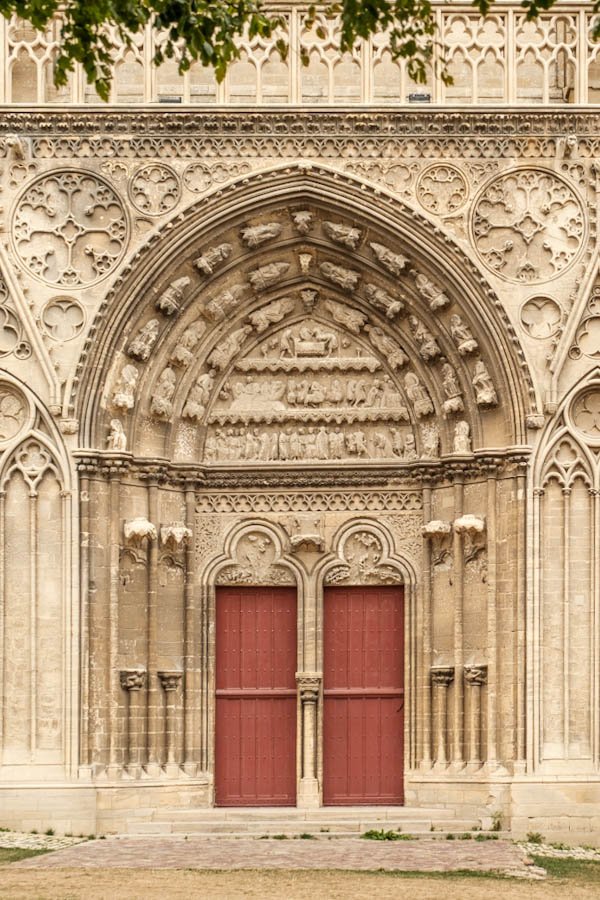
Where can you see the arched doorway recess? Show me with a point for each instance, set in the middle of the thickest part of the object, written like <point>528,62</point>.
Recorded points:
<point>298,349</point>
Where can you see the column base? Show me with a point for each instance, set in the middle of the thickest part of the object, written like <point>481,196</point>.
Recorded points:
<point>152,770</point>
<point>134,770</point>
<point>457,767</point>
<point>308,794</point>
<point>113,771</point>
<point>472,766</point>
<point>426,765</point>
<point>190,768</point>
<point>172,770</point>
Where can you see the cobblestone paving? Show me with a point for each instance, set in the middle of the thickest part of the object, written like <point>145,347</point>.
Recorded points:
<point>24,840</point>
<point>178,853</point>
<point>562,852</point>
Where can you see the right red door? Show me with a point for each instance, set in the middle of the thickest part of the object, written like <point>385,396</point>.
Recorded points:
<point>363,684</point>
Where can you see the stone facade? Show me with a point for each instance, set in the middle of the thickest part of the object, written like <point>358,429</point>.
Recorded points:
<point>344,346</point>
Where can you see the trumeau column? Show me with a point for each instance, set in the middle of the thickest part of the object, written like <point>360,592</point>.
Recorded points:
<point>457,757</point>
<point>133,681</point>
<point>441,679</point>
<point>309,686</point>
<point>475,678</point>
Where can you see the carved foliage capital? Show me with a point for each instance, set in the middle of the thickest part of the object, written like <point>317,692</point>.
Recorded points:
<point>170,680</point>
<point>132,679</point>
<point>442,676</point>
<point>309,686</point>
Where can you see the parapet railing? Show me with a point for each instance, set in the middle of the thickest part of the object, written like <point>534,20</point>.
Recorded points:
<point>499,60</point>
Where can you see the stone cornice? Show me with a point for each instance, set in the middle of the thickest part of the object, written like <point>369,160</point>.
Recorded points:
<point>364,122</point>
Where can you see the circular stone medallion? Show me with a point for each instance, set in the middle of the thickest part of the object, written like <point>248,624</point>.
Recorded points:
<point>155,189</point>
<point>541,317</point>
<point>442,190</point>
<point>69,228</point>
<point>528,226</point>
<point>14,412</point>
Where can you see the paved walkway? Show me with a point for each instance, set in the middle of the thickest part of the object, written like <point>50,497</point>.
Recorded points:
<point>342,853</point>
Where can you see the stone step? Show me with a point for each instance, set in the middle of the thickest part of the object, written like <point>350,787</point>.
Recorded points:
<point>200,832</point>
<point>291,814</point>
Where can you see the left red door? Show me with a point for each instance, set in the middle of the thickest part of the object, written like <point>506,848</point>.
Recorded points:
<point>255,727</point>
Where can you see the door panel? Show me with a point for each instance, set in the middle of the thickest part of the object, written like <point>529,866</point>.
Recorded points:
<point>363,678</point>
<point>255,720</point>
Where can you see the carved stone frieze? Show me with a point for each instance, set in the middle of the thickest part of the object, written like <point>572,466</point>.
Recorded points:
<point>299,501</point>
<point>274,312</point>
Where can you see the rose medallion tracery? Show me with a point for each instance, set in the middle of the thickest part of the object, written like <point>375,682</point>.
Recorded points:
<point>585,413</point>
<point>442,189</point>
<point>70,228</point>
<point>14,412</point>
<point>528,226</point>
<point>155,189</point>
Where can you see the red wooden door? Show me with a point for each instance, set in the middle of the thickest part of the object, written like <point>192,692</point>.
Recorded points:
<point>363,720</point>
<point>255,728</point>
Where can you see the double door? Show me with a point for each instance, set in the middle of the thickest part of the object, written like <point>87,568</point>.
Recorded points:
<point>256,698</point>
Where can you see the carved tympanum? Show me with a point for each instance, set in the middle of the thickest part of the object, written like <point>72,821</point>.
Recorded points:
<point>361,563</point>
<point>255,563</point>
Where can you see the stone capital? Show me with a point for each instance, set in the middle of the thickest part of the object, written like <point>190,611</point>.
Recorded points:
<point>132,679</point>
<point>169,680</point>
<point>475,674</point>
<point>309,685</point>
<point>442,676</point>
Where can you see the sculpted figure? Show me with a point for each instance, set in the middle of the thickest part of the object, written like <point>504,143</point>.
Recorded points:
<point>343,315</point>
<point>343,234</point>
<point>117,439</point>
<point>162,397</point>
<point>464,340</point>
<point>462,437</point>
<point>124,395</point>
<point>410,447</point>
<point>418,395</point>
<point>396,357</point>
<point>286,344</point>
<point>302,219</point>
<point>335,393</point>
<point>430,291</point>
<point>484,386</point>
<point>397,442</point>
<point>347,279</point>
<point>360,443</point>
<point>199,396</point>
<point>267,275</point>
<point>228,300</point>
<point>142,344</point>
<point>384,301</point>
<point>453,402</point>
<point>224,352</point>
<point>209,261</point>
<point>255,235</point>
<point>170,299</point>
<point>210,447</point>
<point>182,355</point>
<point>393,262</point>
<point>430,436</point>
<point>322,444</point>
<point>272,313</point>
<point>382,446</point>
<point>428,347</point>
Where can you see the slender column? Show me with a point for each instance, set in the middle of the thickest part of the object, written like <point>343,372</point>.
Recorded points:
<point>152,766</point>
<point>84,506</point>
<point>520,614</point>
<point>113,621</point>
<point>566,616</point>
<point>190,693</point>
<point>475,678</point>
<point>33,601</point>
<point>492,625</point>
<point>595,622</point>
<point>458,711</point>
<point>441,679</point>
<point>170,682</point>
<point>309,686</point>
<point>426,623</point>
<point>99,677</point>
<point>534,649</point>
<point>132,681</point>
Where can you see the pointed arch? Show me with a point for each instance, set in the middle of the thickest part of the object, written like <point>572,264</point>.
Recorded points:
<point>367,253</point>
